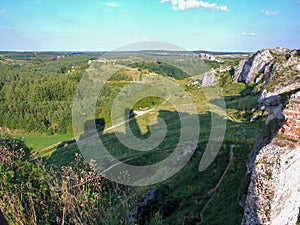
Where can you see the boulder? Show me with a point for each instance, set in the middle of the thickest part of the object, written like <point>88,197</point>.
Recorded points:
<point>288,55</point>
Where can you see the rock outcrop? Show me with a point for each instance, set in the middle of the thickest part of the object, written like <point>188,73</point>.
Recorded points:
<point>274,191</point>
<point>273,105</point>
<point>133,215</point>
<point>278,69</point>
<point>207,56</point>
<point>248,69</point>
<point>209,79</point>
<point>290,130</point>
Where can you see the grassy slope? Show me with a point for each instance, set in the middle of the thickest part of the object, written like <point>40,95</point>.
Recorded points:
<point>188,188</point>
<point>37,143</point>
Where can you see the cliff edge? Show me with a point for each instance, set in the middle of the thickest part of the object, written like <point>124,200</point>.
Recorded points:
<point>274,190</point>
<point>277,70</point>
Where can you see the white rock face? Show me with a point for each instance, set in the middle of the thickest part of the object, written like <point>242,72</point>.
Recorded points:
<point>247,70</point>
<point>207,56</point>
<point>209,79</point>
<point>296,95</point>
<point>274,191</point>
<point>273,105</point>
<point>278,69</point>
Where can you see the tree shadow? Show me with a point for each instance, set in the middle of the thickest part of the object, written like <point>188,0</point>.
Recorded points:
<point>199,183</point>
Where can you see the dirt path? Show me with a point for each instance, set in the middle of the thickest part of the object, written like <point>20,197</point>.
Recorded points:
<point>138,114</point>
<point>213,191</point>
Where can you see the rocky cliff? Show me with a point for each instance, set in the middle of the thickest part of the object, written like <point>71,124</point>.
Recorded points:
<point>273,194</point>
<point>290,130</point>
<point>248,69</point>
<point>277,69</point>
<point>209,78</point>
<point>274,191</point>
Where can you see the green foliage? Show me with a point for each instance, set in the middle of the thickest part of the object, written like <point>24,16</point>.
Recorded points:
<point>225,78</point>
<point>212,64</point>
<point>120,76</point>
<point>32,194</point>
<point>162,69</point>
<point>147,103</point>
<point>37,89</point>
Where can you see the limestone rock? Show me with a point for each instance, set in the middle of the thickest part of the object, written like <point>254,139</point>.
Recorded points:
<point>209,79</point>
<point>207,56</point>
<point>278,69</point>
<point>273,105</point>
<point>255,64</point>
<point>274,191</point>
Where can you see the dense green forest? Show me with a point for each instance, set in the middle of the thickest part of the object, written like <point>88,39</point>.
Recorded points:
<point>36,90</point>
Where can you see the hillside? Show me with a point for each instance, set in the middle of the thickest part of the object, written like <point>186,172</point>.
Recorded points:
<point>69,191</point>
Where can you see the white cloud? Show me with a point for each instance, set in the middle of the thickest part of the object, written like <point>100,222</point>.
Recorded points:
<point>248,34</point>
<point>23,36</point>
<point>269,12</point>
<point>145,38</point>
<point>2,11</point>
<point>191,4</point>
<point>111,4</point>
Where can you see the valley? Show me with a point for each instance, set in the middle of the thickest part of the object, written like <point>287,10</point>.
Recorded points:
<point>48,102</point>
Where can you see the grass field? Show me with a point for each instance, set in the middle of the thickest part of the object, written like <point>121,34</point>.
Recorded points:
<point>37,143</point>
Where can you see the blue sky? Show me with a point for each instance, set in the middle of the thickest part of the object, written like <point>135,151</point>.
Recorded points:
<point>91,25</point>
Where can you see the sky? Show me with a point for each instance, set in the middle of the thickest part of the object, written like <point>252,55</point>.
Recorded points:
<point>104,25</point>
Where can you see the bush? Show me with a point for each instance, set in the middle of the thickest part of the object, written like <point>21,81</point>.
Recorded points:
<point>32,194</point>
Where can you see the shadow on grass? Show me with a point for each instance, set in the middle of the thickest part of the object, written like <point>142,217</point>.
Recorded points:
<point>187,191</point>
